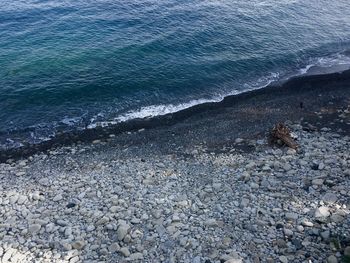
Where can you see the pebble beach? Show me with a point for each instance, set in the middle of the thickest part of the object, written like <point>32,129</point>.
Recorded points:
<point>275,205</point>
<point>175,131</point>
<point>134,197</point>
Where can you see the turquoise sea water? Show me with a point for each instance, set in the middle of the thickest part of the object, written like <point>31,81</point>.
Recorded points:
<point>67,65</point>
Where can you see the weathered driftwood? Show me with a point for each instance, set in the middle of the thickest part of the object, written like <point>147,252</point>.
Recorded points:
<point>281,133</point>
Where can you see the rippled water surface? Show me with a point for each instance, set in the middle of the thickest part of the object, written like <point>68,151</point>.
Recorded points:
<point>69,65</point>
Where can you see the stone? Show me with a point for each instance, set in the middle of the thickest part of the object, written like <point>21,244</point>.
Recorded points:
<point>239,140</point>
<point>217,186</point>
<point>103,251</point>
<point>347,172</point>
<point>34,228</point>
<point>102,221</point>
<point>347,251</point>
<point>122,231</point>
<point>7,255</point>
<point>61,222</point>
<point>297,243</point>
<point>332,259</point>
<point>36,195</point>
<point>68,231</point>
<point>20,173</point>
<point>283,259</point>
<point>211,222</point>
<point>307,223</point>
<point>291,151</point>
<point>288,232</point>
<point>125,251</point>
<point>281,243</point>
<point>21,199</point>
<point>337,218</point>
<point>74,259</point>
<point>113,209</point>
<point>330,198</point>
<point>57,198</point>
<point>70,205</point>
<point>300,228</point>
<point>90,228</point>
<point>23,163</point>
<point>44,182</point>
<point>315,231</point>
<point>114,199</point>
<point>317,182</point>
<point>279,225</point>
<point>244,202</point>
<point>78,244</point>
<point>322,212</point>
<point>14,198</point>
<point>287,167</point>
<point>176,218</point>
<point>136,256</point>
<point>114,247</point>
<point>50,227</point>
<point>321,166</point>
<point>254,185</point>
<point>291,216</point>
<point>325,234</point>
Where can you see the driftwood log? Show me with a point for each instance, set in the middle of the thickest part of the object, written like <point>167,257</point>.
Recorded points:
<point>281,133</point>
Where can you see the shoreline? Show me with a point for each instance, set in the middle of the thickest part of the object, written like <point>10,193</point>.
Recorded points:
<point>176,194</point>
<point>205,186</point>
<point>293,88</point>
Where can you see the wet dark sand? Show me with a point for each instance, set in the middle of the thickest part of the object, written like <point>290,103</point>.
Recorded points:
<point>216,126</point>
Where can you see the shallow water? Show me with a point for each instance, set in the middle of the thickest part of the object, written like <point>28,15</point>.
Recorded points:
<point>68,65</point>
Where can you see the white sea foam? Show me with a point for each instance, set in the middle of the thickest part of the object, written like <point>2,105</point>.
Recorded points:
<point>304,70</point>
<point>339,59</point>
<point>70,121</point>
<point>152,111</point>
<point>327,62</point>
<point>163,109</point>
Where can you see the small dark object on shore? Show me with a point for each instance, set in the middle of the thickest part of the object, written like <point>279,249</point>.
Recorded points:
<point>301,105</point>
<point>281,133</point>
<point>71,205</point>
<point>314,166</point>
<point>279,226</point>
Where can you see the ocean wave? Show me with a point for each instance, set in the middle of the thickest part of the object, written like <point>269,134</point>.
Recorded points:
<point>336,60</point>
<point>339,59</point>
<point>152,111</point>
<point>45,132</point>
<point>164,109</point>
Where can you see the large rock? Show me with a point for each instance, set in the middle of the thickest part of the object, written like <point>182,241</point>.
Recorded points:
<point>34,228</point>
<point>291,216</point>
<point>44,181</point>
<point>317,182</point>
<point>114,247</point>
<point>78,244</point>
<point>347,251</point>
<point>283,259</point>
<point>125,251</point>
<point>322,212</point>
<point>122,231</point>
<point>330,198</point>
<point>57,198</point>
<point>332,259</point>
